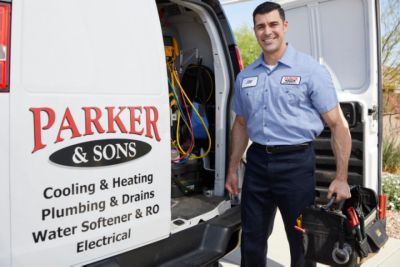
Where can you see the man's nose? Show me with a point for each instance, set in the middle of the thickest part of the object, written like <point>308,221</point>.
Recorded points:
<point>268,30</point>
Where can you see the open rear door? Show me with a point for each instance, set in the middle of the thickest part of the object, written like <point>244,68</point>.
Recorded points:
<point>89,131</point>
<point>343,35</point>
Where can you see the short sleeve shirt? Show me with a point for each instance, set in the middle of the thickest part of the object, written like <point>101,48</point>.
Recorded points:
<point>283,106</point>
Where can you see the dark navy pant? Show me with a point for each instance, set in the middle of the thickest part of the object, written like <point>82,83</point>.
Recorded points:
<point>285,181</point>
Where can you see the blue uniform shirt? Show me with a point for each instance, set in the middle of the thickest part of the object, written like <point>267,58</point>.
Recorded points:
<point>282,106</point>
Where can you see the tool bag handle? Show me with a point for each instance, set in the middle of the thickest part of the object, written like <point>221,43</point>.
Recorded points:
<point>329,205</point>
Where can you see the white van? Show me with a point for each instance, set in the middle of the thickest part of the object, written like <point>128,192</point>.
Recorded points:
<point>344,36</point>
<point>104,161</point>
<point>86,169</point>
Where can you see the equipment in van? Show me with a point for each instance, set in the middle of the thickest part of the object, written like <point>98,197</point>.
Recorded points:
<point>198,80</point>
<point>344,235</point>
<point>189,98</point>
<point>171,47</point>
<point>198,129</point>
<point>184,135</point>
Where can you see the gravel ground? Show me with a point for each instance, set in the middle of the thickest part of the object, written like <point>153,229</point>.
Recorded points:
<point>393,224</point>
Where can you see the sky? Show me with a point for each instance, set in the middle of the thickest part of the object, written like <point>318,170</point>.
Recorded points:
<point>242,13</point>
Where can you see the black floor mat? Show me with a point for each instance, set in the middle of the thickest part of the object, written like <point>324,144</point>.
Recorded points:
<point>191,206</point>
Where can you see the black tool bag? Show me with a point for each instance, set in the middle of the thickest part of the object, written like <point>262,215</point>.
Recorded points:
<point>330,239</point>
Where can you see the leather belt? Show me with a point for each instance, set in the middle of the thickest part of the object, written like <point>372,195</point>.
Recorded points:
<point>282,148</point>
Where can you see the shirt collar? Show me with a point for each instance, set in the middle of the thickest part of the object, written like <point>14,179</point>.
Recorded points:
<point>287,59</point>
<point>259,61</point>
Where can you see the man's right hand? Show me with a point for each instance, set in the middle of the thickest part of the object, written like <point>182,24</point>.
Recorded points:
<point>239,141</point>
<point>232,183</point>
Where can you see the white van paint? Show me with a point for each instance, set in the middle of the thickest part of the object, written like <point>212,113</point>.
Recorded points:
<point>72,61</point>
<point>85,57</point>
<point>85,142</point>
<point>343,36</point>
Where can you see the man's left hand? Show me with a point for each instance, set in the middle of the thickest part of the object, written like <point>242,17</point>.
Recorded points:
<point>341,188</point>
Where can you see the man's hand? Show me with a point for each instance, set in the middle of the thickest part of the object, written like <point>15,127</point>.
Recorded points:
<point>232,183</point>
<point>341,188</point>
<point>341,146</point>
<point>239,142</point>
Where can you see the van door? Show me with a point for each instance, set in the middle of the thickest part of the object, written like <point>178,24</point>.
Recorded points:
<point>343,36</point>
<point>89,131</point>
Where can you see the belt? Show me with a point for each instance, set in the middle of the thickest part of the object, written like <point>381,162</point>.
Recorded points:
<point>282,148</point>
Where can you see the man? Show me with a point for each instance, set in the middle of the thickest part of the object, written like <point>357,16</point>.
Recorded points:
<point>279,101</point>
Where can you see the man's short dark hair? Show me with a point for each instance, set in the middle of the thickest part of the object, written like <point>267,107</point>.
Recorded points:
<point>267,7</point>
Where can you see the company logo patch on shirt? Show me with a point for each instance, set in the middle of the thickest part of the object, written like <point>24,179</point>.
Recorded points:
<point>249,82</point>
<point>291,80</point>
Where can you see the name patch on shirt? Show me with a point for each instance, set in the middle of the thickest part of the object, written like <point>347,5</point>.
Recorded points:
<point>249,82</point>
<point>291,80</point>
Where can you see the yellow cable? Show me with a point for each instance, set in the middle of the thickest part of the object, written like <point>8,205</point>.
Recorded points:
<point>181,150</point>
<point>178,123</point>
<point>185,153</point>
<point>198,115</point>
<point>173,88</point>
<point>177,135</point>
<point>173,72</point>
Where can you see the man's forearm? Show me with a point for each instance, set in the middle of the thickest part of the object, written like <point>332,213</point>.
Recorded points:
<point>341,145</point>
<point>239,141</point>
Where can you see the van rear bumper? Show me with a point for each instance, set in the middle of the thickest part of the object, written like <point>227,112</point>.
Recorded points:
<point>199,245</point>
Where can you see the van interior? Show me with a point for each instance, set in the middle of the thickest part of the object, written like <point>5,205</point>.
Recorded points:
<point>196,80</point>
<point>198,100</point>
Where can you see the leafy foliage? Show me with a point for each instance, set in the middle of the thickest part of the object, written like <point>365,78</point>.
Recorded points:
<point>391,187</point>
<point>247,43</point>
<point>391,154</point>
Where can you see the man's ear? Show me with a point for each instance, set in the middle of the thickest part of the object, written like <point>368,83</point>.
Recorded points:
<point>285,26</point>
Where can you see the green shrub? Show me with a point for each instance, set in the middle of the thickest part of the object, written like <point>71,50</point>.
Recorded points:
<point>391,187</point>
<point>391,154</point>
<point>247,43</point>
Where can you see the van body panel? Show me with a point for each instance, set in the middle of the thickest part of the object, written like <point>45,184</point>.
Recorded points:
<point>5,240</point>
<point>87,142</point>
<point>88,127</point>
<point>86,151</point>
<point>88,136</point>
<point>81,50</point>
<point>348,48</point>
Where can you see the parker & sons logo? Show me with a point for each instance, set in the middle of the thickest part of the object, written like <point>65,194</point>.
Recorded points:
<point>132,120</point>
<point>100,153</point>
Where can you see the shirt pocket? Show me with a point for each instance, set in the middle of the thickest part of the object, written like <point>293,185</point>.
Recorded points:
<point>252,99</point>
<point>290,98</point>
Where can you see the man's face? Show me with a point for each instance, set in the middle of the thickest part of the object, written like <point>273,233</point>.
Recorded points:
<point>270,31</point>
